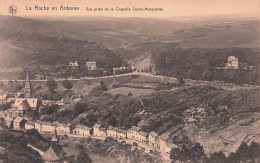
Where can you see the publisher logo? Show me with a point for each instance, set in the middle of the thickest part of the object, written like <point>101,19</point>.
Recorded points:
<point>13,9</point>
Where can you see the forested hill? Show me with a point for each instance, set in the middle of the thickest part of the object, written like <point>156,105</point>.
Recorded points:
<point>39,43</point>
<point>203,63</point>
<point>20,49</point>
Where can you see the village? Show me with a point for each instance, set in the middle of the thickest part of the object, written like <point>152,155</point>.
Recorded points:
<point>16,119</point>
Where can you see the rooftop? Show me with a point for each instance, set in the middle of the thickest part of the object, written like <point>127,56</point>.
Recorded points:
<point>153,134</point>
<point>142,133</point>
<point>164,137</point>
<point>134,128</point>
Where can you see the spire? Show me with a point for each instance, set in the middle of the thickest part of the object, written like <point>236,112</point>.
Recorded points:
<point>27,89</point>
<point>54,138</point>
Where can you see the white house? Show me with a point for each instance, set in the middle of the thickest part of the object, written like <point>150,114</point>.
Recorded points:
<point>73,64</point>
<point>91,65</point>
<point>163,142</point>
<point>23,107</point>
<point>3,98</point>
<point>29,125</point>
<point>47,127</point>
<point>82,130</point>
<point>142,136</point>
<point>65,128</point>
<point>232,62</point>
<point>33,102</point>
<point>110,132</point>
<point>19,123</point>
<point>152,138</point>
<point>121,134</point>
<point>38,125</point>
<point>103,132</point>
<point>132,133</point>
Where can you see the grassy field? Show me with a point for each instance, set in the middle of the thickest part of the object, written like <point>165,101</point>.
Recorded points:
<point>135,91</point>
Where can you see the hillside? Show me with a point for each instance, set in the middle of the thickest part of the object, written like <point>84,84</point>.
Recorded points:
<point>112,32</point>
<point>215,112</point>
<point>13,146</point>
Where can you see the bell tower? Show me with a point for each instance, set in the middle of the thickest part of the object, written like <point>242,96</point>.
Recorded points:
<point>27,89</point>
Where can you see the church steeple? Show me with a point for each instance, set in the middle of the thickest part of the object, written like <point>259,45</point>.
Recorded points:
<point>27,89</point>
<point>54,139</point>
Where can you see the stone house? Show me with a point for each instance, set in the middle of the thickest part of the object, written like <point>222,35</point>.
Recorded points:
<point>29,125</point>
<point>19,123</point>
<point>73,64</point>
<point>121,134</point>
<point>33,102</point>
<point>163,142</point>
<point>91,65</point>
<point>152,138</point>
<point>232,62</point>
<point>82,130</point>
<point>142,136</point>
<point>38,125</point>
<point>103,132</point>
<point>110,131</point>
<point>22,108</point>
<point>170,146</point>
<point>47,127</point>
<point>3,98</point>
<point>132,133</point>
<point>96,130</point>
<point>67,129</point>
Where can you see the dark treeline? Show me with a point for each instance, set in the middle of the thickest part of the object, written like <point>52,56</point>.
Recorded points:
<point>195,153</point>
<point>201,64</point>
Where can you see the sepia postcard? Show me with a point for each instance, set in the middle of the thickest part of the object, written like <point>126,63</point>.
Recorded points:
<point>129,81</point>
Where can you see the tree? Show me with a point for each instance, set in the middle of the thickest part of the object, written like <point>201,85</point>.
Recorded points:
<point>218,157</point>
<point>67,84</point>
<point>188,153</point>
<point>51,84</point>
<point>83,157</point>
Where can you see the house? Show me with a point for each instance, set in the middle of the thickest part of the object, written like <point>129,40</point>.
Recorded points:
<point>33,102</point>
<point>232,62</point>
<point>110,131</point>
<point>66,100</point>
<point>152,138</point>
<point>170,146</point>
<point>47,127</point>
<point>38,125</point>
<point>57,125</point>
<point>82,130</point>
<point>163,142</point>
<point>103,132</point>
<point>29,125</point>
<point>23,107</point>
<point>3,98</point>
<point>96,130</point>
<point>142,136</point>
<point>132,133</point>
<point>19,123</point>
<point>121,134</point>
<point>65,128</point>
<point>9,121</point>
<point>91,65</point>
<point>73,64</point>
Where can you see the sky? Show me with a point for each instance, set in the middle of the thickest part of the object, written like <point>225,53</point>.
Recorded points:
<point>171,8</point>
